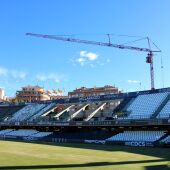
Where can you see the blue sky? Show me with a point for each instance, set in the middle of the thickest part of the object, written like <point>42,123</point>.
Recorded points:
<point>54,64</point>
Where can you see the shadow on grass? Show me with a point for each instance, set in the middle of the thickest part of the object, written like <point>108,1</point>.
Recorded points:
<point>163,153</point>
<point>92,164</point>
<point>157,167</point>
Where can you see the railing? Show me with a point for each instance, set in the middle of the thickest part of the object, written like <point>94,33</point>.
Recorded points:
<point>115,122</point>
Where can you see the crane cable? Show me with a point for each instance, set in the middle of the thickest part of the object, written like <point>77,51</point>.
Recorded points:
<point>162,71</point>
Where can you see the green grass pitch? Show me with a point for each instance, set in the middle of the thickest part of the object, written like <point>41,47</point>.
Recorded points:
<point>33,156</point>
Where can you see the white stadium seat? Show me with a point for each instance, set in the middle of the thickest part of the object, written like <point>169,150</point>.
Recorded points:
<point>146,136</point>
<point>22,132</point>
<point>145,105</point>
<point>6,131</point>
<point>45,109</point>
<point>27,112</point>
<point>165,112</point>
<point>166,140</point>
<point>41,134</point>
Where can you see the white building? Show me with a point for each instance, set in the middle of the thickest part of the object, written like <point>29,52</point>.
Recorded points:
<point>2,94</point>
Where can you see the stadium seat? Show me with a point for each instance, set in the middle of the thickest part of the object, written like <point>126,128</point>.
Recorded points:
<point>165,112</point>
<point>146,136</point>
<point>27,112</point>
<point>22,133</point>
<point>166,140</point>
<point>6,131</point>
<point>40,134</point>
<point>145,105</point>
<point>45,109</point>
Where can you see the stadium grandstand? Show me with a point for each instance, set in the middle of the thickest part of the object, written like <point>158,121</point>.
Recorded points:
<point>139,118</point>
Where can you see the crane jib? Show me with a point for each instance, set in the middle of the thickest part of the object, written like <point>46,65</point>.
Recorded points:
<point>149,58</point>
<point>91,42</point>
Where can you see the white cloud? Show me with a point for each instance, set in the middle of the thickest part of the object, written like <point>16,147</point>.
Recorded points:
<point>51,76</point>
<point>133,81</point>
<point>92,56</point>
<point>89,58</point>
<point>83,53</point>
<point>16,74</point>
<point>89,55</point>
<point>86,58</point>
<point>81,61</point>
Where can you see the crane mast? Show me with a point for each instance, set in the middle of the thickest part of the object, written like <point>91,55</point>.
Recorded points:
<point>150,61</point>
<point>149,58</point>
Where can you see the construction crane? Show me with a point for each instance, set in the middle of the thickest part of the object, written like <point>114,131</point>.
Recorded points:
<point>149,58</point>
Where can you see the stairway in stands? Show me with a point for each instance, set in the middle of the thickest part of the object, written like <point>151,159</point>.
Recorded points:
<point>163,137</point>
<point>161,106</point>
<point>7,111</point>
<point>101,107</point>
<point>44,110</point>
<point>123,105</point>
